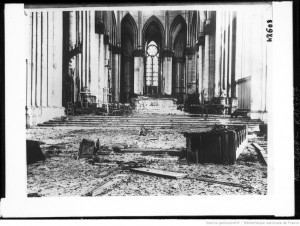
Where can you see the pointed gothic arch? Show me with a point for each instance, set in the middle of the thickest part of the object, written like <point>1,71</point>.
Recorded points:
<point>177,25</point>
<point>154,21</point>
<point>133,30</point>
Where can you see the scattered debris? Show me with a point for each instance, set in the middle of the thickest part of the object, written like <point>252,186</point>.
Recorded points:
<point>34,152</point>
<point>64,118</point>
<point>97,144</point>
<point>63,175</point>
<point>33,195</point>
<point>86,149</point>
<point>160,173</point>
<point>222,128</point>
<point>143,131</point>
<point>118,147</point>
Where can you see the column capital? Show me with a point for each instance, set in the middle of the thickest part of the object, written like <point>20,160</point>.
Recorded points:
<point>201,40</point>
<point>99,26</point>
<point>190,50</point>
<point>178,59</point>
<point>138,53</point>
<point>167,53</point>
<point>127,58</point>
<point>115,49</point>
<point>208,28</point>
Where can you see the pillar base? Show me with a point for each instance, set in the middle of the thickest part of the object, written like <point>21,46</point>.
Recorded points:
<point>36,115</point>
<point>262,115</point>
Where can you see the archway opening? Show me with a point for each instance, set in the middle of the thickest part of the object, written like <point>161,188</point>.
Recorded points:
<point>128,38</point>
<point>178,35</point>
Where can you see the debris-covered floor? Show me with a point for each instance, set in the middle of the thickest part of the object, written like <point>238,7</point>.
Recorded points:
<point>62,174</point>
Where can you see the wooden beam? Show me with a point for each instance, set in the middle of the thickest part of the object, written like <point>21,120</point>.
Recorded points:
<point>219,182</point>
<point>106,186</point>
<point>259,151</point>
<point>160,173</point>
<point>150,151</point>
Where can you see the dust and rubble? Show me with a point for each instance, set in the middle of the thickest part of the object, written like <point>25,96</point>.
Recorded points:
<point>98,162</point>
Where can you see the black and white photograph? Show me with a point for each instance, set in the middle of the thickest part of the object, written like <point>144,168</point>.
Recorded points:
<point>162,102</point>
<point>148,101</point>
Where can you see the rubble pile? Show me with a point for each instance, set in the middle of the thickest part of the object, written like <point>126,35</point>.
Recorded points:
<point>103,166</point>
<point>222,128</point>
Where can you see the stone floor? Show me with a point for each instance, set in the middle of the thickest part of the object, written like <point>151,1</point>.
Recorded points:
<point>62,174</point>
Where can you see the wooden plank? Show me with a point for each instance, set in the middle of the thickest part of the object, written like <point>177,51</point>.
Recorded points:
<point>259,151</point>
<point>106,186</point>
<point>101,175</point>
<point>219,182</point>
<point>160,173</point>
<point>150,151</point>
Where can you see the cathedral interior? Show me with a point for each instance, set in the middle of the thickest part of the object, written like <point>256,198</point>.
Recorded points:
<point>114,95</point>
<point>107,57</point>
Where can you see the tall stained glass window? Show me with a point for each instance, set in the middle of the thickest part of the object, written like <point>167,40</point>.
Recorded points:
<point>152,64</point>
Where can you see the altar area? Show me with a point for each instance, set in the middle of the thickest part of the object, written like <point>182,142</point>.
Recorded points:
<point>155,104</point>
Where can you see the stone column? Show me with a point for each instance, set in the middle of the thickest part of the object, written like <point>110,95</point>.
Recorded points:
<point>138,71</point>
<point>50,57</point>
<point>139,33</point>
<point>29,59</point>
<point>226,52</point>
<point>84,42</point>
<point>99,29</point>
<point>88,49</point>
<point>201,47</point>
<point>230,27</point>
<point>72,61</point>
<point>101,78</point>
<point>206,65</point>
<point>94,56</point>
<point>106,68</point>
<point>57,59</point>
<point>116,68</point>
<point>38,61</point>
<point>167,72</point>
<point>211,30</point>
<point>167,28</point>
<point>178,63</point>
<point>239,44</point>
<point>191,69</point>
<point>78,57</point>
<point>127,76</point>
<point>44,72</point>
<point>200,69</point>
